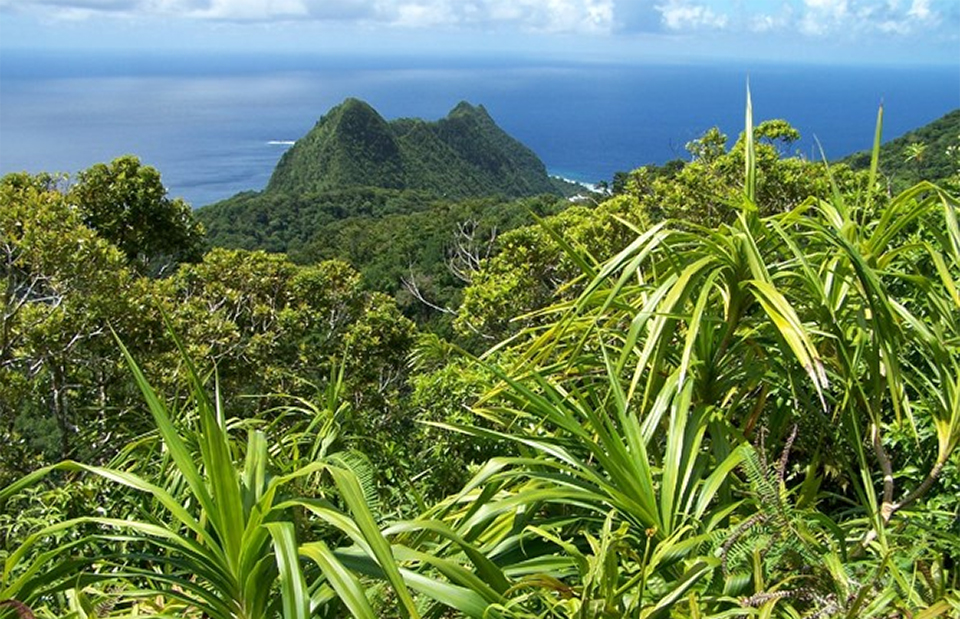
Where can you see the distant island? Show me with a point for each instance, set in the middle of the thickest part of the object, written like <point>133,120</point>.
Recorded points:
<point>355,173</point>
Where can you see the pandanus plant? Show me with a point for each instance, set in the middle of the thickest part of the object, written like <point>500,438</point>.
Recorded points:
<point>222,542</point>
<point>640,412</point>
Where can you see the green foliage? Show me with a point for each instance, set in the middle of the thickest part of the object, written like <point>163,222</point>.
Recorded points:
<point>222,543</point>
<point>62,285</point>
<point>634,405</point>
<point>283,223</point>
<point>531,267</point>
<point>349,146</point>
<point>422,252</point>
<point>391,199</point>
<point>729,390</point>
<point>73,256</point>
<point>265,324</point>
<point>446,383</point>
<point>462,155</point>
<point>126,204</point>
<point>274,330</point>
<point>777,131</point>
<point>707,190</point>
<point>929,153</point>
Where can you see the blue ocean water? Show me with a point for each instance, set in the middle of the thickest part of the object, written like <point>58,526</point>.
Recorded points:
<point>216,125</point>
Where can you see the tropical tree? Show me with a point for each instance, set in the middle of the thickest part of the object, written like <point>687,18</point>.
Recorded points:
<point>531,267</point>
<point>62,286</point>
<point>126,203</point>
<point>270,326</point>
<point>73,256</point>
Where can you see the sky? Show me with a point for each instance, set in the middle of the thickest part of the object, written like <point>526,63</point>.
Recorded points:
<point>874,32</point>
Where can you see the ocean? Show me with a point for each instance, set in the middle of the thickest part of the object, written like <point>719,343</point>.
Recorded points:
<point>215,125</point>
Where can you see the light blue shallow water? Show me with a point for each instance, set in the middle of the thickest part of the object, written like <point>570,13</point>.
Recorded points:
<point>212,124</point>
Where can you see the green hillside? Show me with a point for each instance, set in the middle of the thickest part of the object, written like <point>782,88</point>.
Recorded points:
<point>930,153</point>
<point>390,197</point>
<point>463,155</point>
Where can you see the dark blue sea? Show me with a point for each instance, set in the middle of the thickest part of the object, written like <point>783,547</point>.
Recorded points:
<point>215,125</point>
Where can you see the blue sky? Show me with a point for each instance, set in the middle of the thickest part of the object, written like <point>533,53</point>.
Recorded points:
<point>839,31</point>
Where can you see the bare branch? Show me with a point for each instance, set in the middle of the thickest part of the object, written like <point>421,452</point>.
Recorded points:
<point>888,508</point>
<point>920,490</point>
<point>467,252</point>
<point>410,285</point>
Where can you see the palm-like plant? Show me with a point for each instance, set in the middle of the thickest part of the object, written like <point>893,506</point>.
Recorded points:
<point>634,408</point>
<point>222,543</point>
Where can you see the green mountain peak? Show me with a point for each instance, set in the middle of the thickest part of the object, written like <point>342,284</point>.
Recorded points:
<point>349,144</point>
<point>464,108</point>
<point>462,155</point>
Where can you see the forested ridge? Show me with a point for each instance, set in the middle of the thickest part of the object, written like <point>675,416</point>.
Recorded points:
<point>354,163</point>
<point>398,200</point>
<point>464,154</point>
<point>926,153</point>
<point>729,386</point>
<point>402,240</point>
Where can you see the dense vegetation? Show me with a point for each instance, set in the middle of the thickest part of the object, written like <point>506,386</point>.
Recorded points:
<point>730,389</point>
<point>418,249</point>
<point>926,153</point>
<point>465,154</point>
<point>388,197</point>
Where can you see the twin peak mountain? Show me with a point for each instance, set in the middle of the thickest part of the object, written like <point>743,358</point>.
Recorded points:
<point>462,155</point>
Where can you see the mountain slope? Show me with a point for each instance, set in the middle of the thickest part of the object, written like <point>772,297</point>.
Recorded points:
<point>356,175</point>
<point>921,154</point>
<point>463,155</point>
<point>352,145</point>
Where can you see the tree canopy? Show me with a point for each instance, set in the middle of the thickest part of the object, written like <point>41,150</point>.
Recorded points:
<point>126,203</point>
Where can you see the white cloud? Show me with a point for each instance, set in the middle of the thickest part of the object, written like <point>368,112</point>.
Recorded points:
<point>243,10</point>
<point>594,16</point>
<point>839,22</point>
<point>538,15</point>
<point>837,7</point>
<point>835,20</point>
<point>683,15</point>
<point>864,17</point>
<point>421,14</point>
<point>822,16</point>
<point>920,9</point>
<point>565,16</point>
<point>766,22</point>
<point>893,27</point>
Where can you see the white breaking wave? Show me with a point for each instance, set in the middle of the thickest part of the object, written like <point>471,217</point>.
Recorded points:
<point>281,142</point>
<point>590,186</point>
